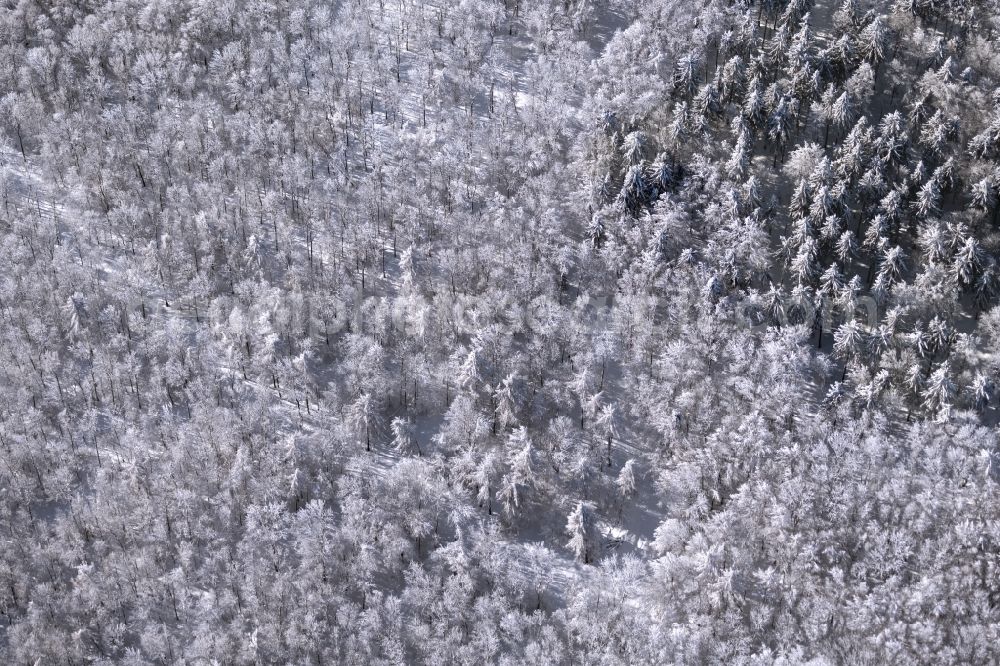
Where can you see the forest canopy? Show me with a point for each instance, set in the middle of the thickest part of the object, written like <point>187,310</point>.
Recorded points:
<point>495,331</point>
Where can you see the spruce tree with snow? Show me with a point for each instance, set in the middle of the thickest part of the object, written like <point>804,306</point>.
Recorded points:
<point>582,529</point>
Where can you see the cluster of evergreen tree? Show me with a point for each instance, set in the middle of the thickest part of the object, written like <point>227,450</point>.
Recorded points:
<point>545,332</point>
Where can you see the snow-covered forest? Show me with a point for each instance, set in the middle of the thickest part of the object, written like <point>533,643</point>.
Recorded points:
<point>499,331</point>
